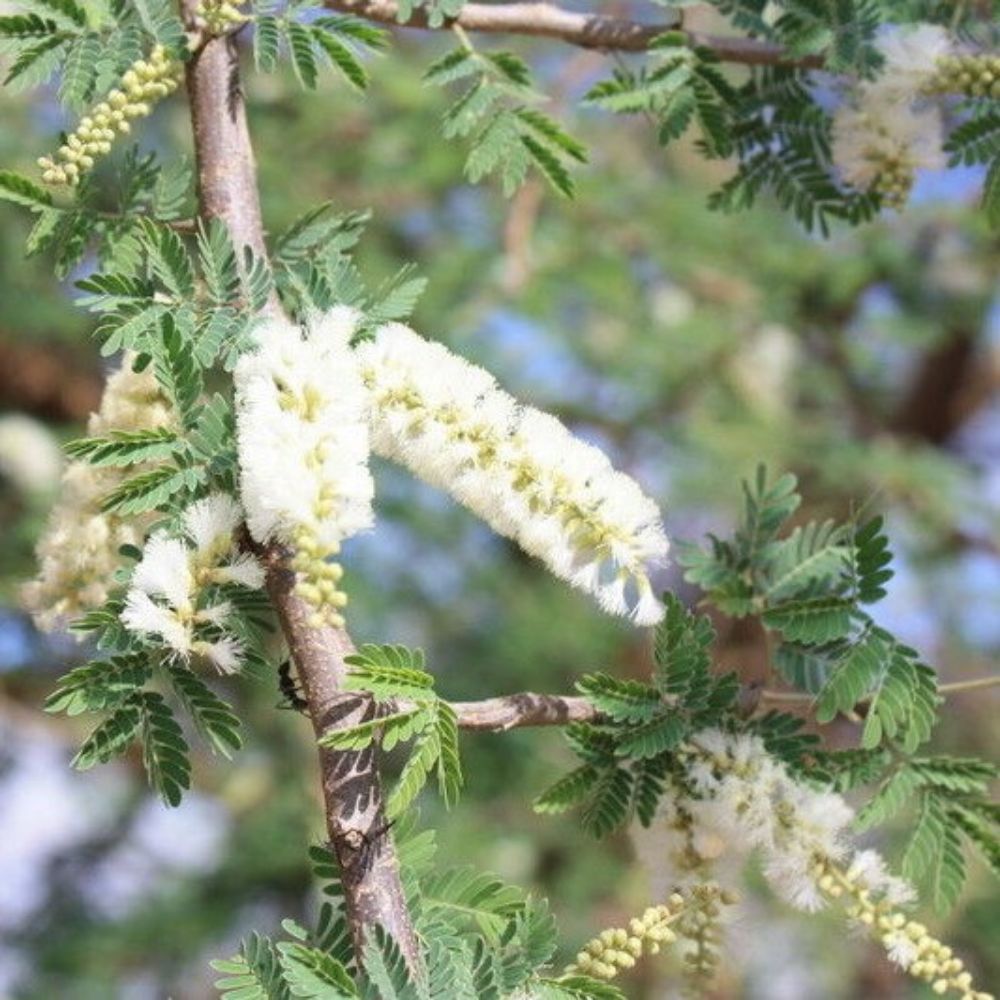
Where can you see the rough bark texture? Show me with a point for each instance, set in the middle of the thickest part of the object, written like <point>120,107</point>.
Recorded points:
<point>227,190</point>
<point>524,709</point>
<point>591,31</point>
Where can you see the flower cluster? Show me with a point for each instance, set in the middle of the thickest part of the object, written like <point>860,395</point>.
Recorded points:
<point>172,593</point>
<point>78,551</point>
<point>146,82</point>
<point>737,798</point>
<point>220,15</point>
<point>517,468</point>
<point>619,948</point>
<point>302,435</point>
<point>888,130</point>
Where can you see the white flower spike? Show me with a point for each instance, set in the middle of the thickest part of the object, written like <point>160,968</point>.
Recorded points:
<point>303,445</point>
<point>518,469</point>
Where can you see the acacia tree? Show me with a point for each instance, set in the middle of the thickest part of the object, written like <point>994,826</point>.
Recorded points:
<point>202,516</point>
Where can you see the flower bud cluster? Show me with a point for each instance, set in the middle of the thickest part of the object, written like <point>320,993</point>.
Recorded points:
<point>146,82</point>
<point>907,942</point>
<point>220,16</point>
<point>619,948</point>
<point>302,436</point>
<point>887,130</point>
<point>517,468</point>
<point>974,75</point>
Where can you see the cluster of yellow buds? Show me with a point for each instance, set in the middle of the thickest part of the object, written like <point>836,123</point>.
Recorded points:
<point>618,948</point>
<point>318,578</point>
<point>971,75</point>
<point>220,16</point>
<point>894,183</point>
<point>907,942</point>
<point>700,925</point>
<point>145,82</point>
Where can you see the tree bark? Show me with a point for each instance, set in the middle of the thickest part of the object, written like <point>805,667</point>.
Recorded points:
<point>355,819</point>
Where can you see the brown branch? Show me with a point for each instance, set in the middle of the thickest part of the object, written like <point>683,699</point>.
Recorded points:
<point>373,893</point>
<point>525,709</point>
<point>590,31</point>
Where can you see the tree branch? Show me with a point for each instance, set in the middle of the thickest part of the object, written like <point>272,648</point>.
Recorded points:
<point>227,190</point>
<point>590,31</point>
<point>524,709</point>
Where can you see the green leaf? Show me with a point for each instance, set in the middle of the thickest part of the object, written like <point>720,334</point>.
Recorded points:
<point>621,700</point>
<point>99,685</point>
<point>813,621</point>
<point>767,506</point>
<point>934,854</point>
<point>113,736</point>
<point>312,973</point>
<point>871,559</point>
<point>416,770</point>
<point>266,38</point>
<point>649,739</point>
<point>300,44</point>
<point>390,672</point>
<point>464,896</point>
<point>176,368</point>
<point>253,974</point>
<point>124,448</point>
<point>356,737</point>
<point>575,987</point>
<point>570,790</point>
<point>609,802</point>
<point>682,653</point>
<point>80,71</point>
<point>812,554</point>
<point>213,717</point>
<point>22,191</point>
<point>342,57</point>
<point>893,795</point>
<point>164,749</point>
<point>852,676</point>
<point>150,490</point>
<point>21,26</point>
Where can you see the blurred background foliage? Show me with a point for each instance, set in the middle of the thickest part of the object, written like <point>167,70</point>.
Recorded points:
<point>689,344</point>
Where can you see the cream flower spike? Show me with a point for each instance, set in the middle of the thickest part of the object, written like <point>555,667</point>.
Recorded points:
<point>302,436</point>
<point>517,468</point>
<point>78,551</point>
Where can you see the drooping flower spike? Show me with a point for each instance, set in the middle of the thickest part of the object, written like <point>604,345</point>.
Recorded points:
<point>302,433</point>
<point>517,468</point>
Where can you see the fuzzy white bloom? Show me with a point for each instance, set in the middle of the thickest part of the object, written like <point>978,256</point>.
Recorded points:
<point>879,142</point>
<point>29,455</point>
<point>303,443</point>
<point>78,551</point>
<point>517,468</point>
<point>166,597</point>
<point>911,54</point>
<point>303,433</point>
<point>743,799</point>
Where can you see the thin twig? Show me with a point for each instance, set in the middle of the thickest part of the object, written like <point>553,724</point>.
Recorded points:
<point>956,687</point>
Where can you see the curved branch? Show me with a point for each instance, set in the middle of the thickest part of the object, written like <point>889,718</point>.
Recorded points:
<point>227,190</point>
<point>589,31</point>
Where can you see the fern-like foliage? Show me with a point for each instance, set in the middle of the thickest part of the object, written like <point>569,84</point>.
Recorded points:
<point>498,114</point>
<point>626,759</point>
<point>311,39</point>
